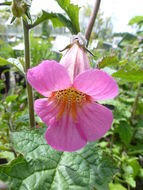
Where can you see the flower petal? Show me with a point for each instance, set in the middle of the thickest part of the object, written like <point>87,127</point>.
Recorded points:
<point>97,84</point>
<point>61,134</point>
<point>46,110</point>
<point>75,61</point>
<point>64,135</point>
<point>48,76</point>
<point>95,120</point>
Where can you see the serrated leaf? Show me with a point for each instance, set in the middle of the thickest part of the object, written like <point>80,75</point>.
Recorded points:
<point>108,61</point>
<point>44,168</point>
<point>125,132</point>
<point>129,76</point>
<point>57,20</point>
<point>72,12</point>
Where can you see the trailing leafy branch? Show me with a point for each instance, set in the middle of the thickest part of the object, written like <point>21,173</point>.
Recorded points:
<point>57,20</point>
<point>69,20</point>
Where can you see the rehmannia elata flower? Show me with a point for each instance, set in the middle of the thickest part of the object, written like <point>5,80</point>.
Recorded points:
<point>70,108</point>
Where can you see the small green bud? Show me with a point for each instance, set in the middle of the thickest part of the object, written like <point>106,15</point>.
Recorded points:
<point>18,8</point>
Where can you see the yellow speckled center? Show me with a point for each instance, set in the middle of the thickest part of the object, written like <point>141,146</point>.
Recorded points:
<point>69,99</point>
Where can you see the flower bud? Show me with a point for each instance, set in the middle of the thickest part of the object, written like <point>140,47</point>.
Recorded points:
<point>18,8</point>
<point>75,60</point>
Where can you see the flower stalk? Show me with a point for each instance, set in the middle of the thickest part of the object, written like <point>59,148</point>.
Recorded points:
<point>27,66</point>
<point>92,20</point>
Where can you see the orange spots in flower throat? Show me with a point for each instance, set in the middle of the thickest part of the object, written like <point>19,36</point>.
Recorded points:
<point>69,100</point>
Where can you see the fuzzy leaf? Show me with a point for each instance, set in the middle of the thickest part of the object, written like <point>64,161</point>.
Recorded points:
<point>44,168</point>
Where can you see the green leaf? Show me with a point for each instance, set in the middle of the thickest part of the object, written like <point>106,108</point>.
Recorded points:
<point>127,39</point>
<point>141,173</point>
<point>13,62</point>
<point>7,155</point>
<point>135,165</point>
<point>6,3</point>
<point>136,20</point>
<point>125,132</point>
<point>11,98</point>
<point>129,76</point>
<point>3,62</point>
<point>12,171</point>
<point>116,186</point>
<point>12,20</point>
<point>108,61</point>
<point>44,168</point>
<point>136,149</point>
<point>72,12</point>
<point>129,173</point>
<point>18,64</point>
<point>131,181</point>
<point>57,20</point>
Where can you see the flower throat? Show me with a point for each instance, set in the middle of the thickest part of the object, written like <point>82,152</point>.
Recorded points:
<point>69,99</point>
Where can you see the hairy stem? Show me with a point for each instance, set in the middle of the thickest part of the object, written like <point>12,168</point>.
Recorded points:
<point>92,20</point>
<point>27,66</point>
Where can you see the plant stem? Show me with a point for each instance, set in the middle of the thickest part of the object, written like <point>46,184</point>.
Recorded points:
<point>27,66</point>
<point>5,3</point>
<point>135,103</point>
<point>92,20</point>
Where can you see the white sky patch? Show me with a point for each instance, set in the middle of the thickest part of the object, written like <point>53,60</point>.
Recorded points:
<point>50,5</point>
<point>121,11</point>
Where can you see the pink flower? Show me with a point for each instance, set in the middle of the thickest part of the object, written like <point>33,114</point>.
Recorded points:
<point>70,109</point>
<point>75,60</point>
